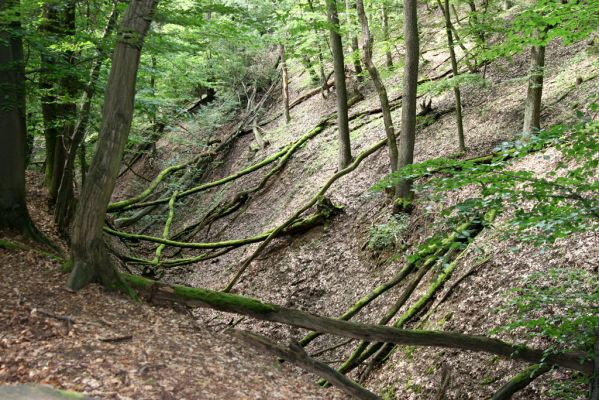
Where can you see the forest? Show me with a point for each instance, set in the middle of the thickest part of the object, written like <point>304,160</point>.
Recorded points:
<point>313,199</point>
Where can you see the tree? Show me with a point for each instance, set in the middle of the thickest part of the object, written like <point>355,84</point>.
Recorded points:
<point>285,83</point>
<point>59,84</point>
<point>65,199</point>
<point>408,108</point>
<point>378,84</point>
<point>355,48</point>
<point>340,87</point>
<point>89,255</point>
<point>454,69</point>
<point>385,23</point>
<point>13,132</point>
<point>534,93</point>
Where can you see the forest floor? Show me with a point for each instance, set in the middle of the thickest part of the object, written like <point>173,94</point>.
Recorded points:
<point>107,346</point>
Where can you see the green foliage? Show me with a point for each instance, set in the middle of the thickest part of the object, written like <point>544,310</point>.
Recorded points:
<point>543,208</point>
<point>559,304</point>
<point>386,236</point>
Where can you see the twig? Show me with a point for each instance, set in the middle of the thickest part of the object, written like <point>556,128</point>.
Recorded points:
<point>116,339</point>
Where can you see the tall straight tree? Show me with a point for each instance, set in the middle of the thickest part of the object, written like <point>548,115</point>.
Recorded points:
<point>378,84</point>
<point>386,37</point>
<point>65,201</point>
<point>90,258</point>
<point>355,48</point>
<point>534,94</point>
<point>59,85</point>
<point>456,72</point>
<point>408,104</point>
<point>13,132</point>
<point>340,87</point>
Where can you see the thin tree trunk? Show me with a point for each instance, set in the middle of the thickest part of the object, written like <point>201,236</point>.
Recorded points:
<point>532,108</point>
<point>378,84</point>
<point>385,23</point>
<point>455,70</point>
<point>89,255</point>
<point>58,114</point>
<point>285,81</point>
<point>355,48</point>
<point>13,132</point>
<point>340,87</point>
<point>323,76</point>
<point>65,200</point>
<point>408,109</point>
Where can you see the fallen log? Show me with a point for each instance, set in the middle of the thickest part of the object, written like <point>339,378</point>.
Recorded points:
<point>295,354</point>
<point>162,293</point>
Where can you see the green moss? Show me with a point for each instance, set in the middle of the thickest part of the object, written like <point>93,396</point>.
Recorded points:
<point>409,352</point>
<point>67,266</point>
<point>219,299</point>
<point>8,245</point>
<point>389,392</point>
<point>488,380</point>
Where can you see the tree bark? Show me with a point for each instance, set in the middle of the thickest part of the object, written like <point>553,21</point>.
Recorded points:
<point>65,200</point>
<point>89,255</point>
<point>57,81</point>
<point>385,23</point>
<point>454,67</point>
<point>197,297</point>
<point>532,107</point>
<point>285,80</point>
<point>355,48</point>
<point>408,109</point>
<point>378,84</point>
<point>13,207</point>
<point>295,354</point>
<point>340,87</point>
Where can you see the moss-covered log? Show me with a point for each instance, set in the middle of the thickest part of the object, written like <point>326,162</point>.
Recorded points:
<point>134,202</point>
<point>520,381</point>
<point>369,151</point>
<point>442,249</point>
<point>326,210</point>
<point>227,302</point>
<point>295,354</point>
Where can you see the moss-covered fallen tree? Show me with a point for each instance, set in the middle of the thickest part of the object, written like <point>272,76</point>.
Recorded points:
<point>162,293</point>
<point>326,211</point>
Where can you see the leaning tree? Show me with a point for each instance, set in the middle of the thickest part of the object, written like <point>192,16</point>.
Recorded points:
<point>89,255</point>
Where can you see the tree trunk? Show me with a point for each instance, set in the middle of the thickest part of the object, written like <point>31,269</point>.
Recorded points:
<point>378,84</point>
<point>355,48</point>
<point>385,23</point>
<point>65,200</point>
<point>323,75</point>
<point>13,208</point>
<point>340,88</point>
<point>89,255</point>
<point>454,68</point>
<point>408,109</point>
<point>285,80</point>
<point>58,113</point>
<point>532,110</point>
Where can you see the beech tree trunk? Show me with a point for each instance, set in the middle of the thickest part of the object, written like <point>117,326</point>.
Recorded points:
<point>408,105</point>
<point>532,108</point>
<point>57,82</point>
<point>454,68</point>
<point>89,255</point>
<point>378,84</point>
<point>13,132</point>
<point>385,23</point>
<point>285,80</point>
<point>355,48</point>
<point>340,87</point>
<point>65,200</point>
